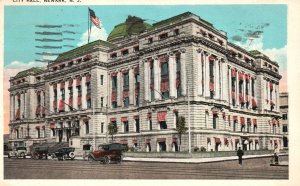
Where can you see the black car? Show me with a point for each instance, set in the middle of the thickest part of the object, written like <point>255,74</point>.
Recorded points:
<point>64,153</point>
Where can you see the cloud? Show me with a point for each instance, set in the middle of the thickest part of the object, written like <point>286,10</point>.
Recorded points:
<point>96,34</point>
<point>23,65</point>
<point>275,54</point>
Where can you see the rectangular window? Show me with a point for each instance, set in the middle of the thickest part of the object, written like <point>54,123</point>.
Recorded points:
<point>150,40</point>
<point>215,119</point>
<point>136,48</point>
<point>178,76</point>
<point>163,36</point>
<point>176,32</point>
<point>114,82</point>
<point>89,103</point>
<point>87,127</point>
<point>163,125</point>
<point>71,92</point>
<point>102,128</point>
<point>101,102</point>
<point>234,125</point>
<point>101,79</point>
<point>126,126</point>
<point>284,116</point>
<point>126,81</point>
<point>284,128</point>
<point>79,91</point>
<point>114,55</point>
<point>126,102</point>
<point>137,125</point>
<point>254,129</point>
<point>125,52</point>
<point>114,104</point>
<point>150,124</point>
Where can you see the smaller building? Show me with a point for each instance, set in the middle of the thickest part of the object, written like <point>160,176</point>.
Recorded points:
<point>284,107</point>
<point>5,142</point>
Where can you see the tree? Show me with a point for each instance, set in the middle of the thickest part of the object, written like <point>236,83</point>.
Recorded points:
<point>112,130</point>
<point>180,128</point>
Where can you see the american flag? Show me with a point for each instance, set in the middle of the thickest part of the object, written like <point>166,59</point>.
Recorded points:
<point>94,18</point>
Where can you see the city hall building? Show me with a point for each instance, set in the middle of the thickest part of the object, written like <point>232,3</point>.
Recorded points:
<point>143,78</point>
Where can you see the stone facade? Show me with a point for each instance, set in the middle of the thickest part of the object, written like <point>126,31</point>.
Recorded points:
<point>146,81</point>
<point>284,121</point>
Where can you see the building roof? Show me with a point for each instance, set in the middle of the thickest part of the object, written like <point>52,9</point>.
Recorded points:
<point>132,26</point>
<point>176,19</point>
<point>83,49</point>
<point>33,71</point>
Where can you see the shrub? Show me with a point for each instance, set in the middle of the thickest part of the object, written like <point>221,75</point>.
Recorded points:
<point>202,149</point>
<point>196,149</point>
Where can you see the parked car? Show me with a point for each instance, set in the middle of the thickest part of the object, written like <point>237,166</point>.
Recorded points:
<point>64,153</point>
<point>18,152</point>
<point>107,153</point>
<point>39,152</point>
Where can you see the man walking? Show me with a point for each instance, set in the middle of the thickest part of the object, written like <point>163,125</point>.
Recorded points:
<point>240,154</point>
<point>276,153</point>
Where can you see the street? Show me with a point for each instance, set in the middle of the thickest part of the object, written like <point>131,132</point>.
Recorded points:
<point>78,169</point>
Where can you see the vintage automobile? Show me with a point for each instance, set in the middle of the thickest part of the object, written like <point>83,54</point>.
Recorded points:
<point>64,153</point>
<point>107,153</point>
<point>39,152</point>
<point>18,152</point>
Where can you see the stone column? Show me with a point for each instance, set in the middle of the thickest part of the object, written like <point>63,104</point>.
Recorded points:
<point>277,96</point>
<point>146,79</point>
<point>250,92</point>
<point>183,80</point>
<point>12,111</point>
<point>206,79</point>
<point>172,75</point>
<point>131,86</point>
<point>67,95</point>
<point>23,105</point>
<point>244,89</point>
<point>268,95</point>
<point>119,88</point>
<point>84,93</point>
<point>229,86</point>
<point>156,78</point>
<point>109,85</point>
<point>51,98</point>
<point>237,100</point>
<point>75,94</point>
<point>217,79</point>
<point>199,69</point>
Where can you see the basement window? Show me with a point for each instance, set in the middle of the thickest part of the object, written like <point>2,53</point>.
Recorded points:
<point>113,55</point>
<point>125,52</point>
<point>136,48</point>
<point>150,40</point>
<point>176,32</point>
<point>163,36</point>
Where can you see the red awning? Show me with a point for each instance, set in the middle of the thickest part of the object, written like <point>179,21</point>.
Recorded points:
<point>208,140</point>
<point>241,76</point>
<point>174,140</point>
<point>161,139</point>
<point>62,85</point>
<point>217,140</point>
<point>241,98</point>
<point>237,140</point>
<point>70,84</point>
<point>113,74</point>
<point>79,100</point>
<point>88,96</point>
<point>37,127</point>
<point>254,105</point>
<point>242,119</point>
<point>78,81</point>
<point>114,96</point>
<point>136,117</point>
<point>38,110</point>
<point>125,94</point>
<point>161,116</point>
<point>71,101</point>
<point>164,86</point>
<point>149,115</point>
<point>136,70</point>
<point>61,106</point>
<point>52,125</point>
<point>18,113</point>
<point>211,86</point>
<point>233,72</point>
<point>148,141</point>
<point>225,140</point>
<point>124,119</point>
<point>254,122</point>
<point>163,59</point>
<point>88,78</point>
<point>249,121</point>
<point>235,118</point>
<point>113,119</point>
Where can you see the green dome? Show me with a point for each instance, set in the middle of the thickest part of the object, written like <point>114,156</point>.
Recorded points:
<point>132,26</point>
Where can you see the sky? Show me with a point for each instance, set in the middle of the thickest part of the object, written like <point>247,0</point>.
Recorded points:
<point>254,27</point>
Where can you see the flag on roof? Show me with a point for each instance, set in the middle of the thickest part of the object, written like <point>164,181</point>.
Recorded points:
<point>94,18</point>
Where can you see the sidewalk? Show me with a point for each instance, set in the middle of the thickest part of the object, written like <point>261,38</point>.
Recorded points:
<point>196,160</point>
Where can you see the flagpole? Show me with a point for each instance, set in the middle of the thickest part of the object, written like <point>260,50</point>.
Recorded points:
<point>89,25</point>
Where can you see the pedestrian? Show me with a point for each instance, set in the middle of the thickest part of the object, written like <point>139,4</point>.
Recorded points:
<point>276,154</point>
<point>240,154</point>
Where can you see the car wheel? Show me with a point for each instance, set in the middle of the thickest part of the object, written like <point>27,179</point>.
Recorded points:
<point>8,156</point>
<point>52,156</point>
<point>90,158</point>
<point>22,155</point>
<point>120,159</point>
<point>106,160</point>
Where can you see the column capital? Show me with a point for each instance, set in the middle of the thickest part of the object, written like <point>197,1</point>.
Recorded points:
<point>199,50</point>
<point>144,60</point>
<point>171,54</point>
<point>206,53</point>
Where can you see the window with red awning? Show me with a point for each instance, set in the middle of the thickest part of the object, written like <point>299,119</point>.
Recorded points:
<point>61,106</point>
<point>161,139</point>
<point>217,140</point>
<point>161,116</point>
<point>114,96</point>
<point>70,83</point>
<point>79,100</point>
<point>52,125</point>
<point>242,119</point>
<point>124,119</point>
